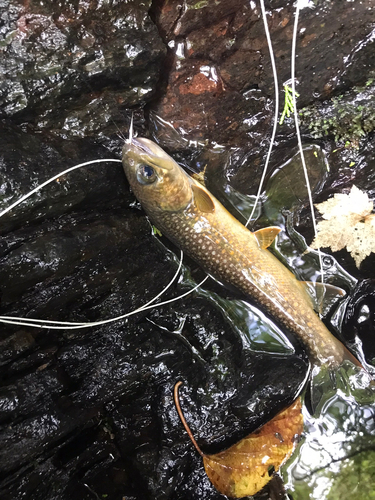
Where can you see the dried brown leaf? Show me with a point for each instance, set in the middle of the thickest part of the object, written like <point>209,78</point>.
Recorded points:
<point>246,467</point>
<point>349,223</point>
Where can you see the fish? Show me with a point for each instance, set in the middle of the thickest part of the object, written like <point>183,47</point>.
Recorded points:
<point>196,222</point>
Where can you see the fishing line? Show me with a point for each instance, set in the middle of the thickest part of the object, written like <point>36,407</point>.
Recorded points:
<point>131,131</point>
<point>70,325</point>
<point>66,325</point>
<point>276,86</point>
<point>293,70</point>
<point>13,320</point>
<point>38,188</point>
<point>48,323</point>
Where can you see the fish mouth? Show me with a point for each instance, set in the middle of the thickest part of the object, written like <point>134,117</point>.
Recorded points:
<point>151,152</point>
<point>138,144</point>
<point>142,144</point>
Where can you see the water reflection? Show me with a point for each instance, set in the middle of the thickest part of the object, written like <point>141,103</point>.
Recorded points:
<point>338,446</point>
<point>256,331</point>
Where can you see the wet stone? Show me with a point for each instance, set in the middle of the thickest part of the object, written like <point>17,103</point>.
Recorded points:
<point>27,159</point>
<point>70,65</point>
<point>89,413</point>
<point>110,388</point>
<point>219,84</point>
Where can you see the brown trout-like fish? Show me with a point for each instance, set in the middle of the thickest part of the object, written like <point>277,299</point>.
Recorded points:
<point>190,216</point>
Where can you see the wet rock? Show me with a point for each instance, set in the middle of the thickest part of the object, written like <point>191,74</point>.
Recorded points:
<point>27,159</point>
<point>73,67</point>
<point>219,83</point>
<point>120,378</point>
<point>196,90</point>
<point>99,401</point>
<point>232,38</point>
<point>348,117</point>
<point>89,413</point>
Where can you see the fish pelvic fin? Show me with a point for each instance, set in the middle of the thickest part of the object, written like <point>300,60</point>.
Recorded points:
<point>266,236</point>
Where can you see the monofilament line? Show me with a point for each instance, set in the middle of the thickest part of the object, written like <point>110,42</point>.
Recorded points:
<point>64,325</point>
<point>41,186</point>
<point>131,132</point>
<point>293,71</point>
<point>67,325</point>
<point>276,114</point>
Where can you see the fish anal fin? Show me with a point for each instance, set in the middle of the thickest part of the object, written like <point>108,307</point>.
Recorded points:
<point>266,236</point>
<point>202,199</point>
<point>323,295</point>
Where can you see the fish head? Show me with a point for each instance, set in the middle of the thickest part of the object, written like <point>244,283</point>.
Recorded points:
<point>157,181</point>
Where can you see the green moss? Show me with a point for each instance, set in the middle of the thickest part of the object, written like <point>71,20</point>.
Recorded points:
<point>155,231</point>
<point>347,118</point>
<point>357,477</point>
<point>200,5</point>
<point>288,103</point>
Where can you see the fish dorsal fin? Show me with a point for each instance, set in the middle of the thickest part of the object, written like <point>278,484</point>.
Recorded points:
<point>323,295</point>
<point>202,199</point>
<point>266,235</point>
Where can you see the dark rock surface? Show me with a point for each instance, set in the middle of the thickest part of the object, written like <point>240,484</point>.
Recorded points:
<point>89,413</point>
<point>218,78</point>
<point>83,403</point>
<point>68,67</point>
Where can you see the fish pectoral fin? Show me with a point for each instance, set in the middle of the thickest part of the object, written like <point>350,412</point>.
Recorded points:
<point>202,199</point>
<point>323,295</point>
<point>266,236</point>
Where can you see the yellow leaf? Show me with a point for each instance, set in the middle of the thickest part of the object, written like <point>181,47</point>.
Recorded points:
<point>246,467</point>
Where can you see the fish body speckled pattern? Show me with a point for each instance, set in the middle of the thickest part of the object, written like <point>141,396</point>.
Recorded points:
<point>191,217</point>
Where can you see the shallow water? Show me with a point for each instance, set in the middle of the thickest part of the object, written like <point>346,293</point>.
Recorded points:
<point>334,458</point>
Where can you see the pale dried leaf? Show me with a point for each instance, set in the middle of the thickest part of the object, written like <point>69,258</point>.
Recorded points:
<point>349,223</point>
<point>354,205</point>
<point>362,242</point>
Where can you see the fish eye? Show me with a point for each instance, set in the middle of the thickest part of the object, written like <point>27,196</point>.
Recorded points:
<point>146,174</point>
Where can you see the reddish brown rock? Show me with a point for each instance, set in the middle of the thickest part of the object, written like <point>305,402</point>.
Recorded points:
<point>229,39</point>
